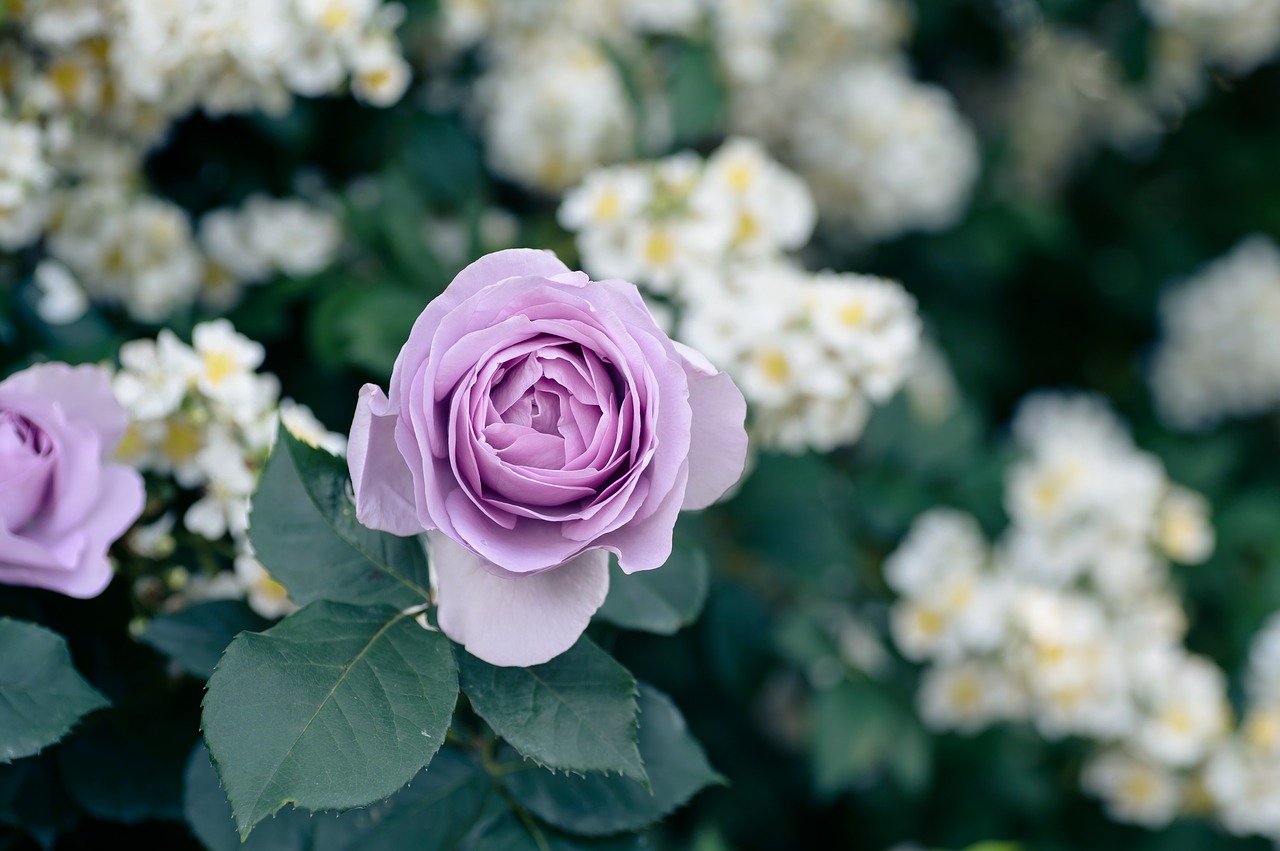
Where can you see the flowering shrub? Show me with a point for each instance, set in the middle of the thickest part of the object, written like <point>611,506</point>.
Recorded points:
<point>899,472</point>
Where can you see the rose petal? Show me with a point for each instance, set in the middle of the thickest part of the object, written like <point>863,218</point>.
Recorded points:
<point>82,392</point>
<point>77,466</point>
<point>488,270</point>
<point>515,621</point>
<point>718,442</point>
<point>382,481</point>
<point>644,543</point>
<point>45,564</point>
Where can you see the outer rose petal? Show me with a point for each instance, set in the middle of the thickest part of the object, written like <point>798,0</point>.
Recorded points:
<point>379,475</point>
<point>489,269</point>
<point>498,266</point>
<point>82,392</point>
<point>122,500</point>
<point>718,445</point>
<point>515,621</point>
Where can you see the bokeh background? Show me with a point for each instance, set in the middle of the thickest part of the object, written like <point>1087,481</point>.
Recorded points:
<point>997,277</point>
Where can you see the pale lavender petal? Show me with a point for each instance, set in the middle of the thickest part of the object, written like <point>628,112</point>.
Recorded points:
<point>382,481</point>
<point>82,392</point>
<point>77,564</point>
<point>488,270</point>
<point>59,553</point>
<point>26,469</point>
<point>718,445</point>
<point>528,546</point>
<point>515,621</point>
<point>645,542</point>
<point>121,498</point>
<point>533,449</point>
<point>499,266</point>
<point>76,474</point>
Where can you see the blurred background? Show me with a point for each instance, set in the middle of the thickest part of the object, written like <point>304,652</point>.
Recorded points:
<point>998,279</point>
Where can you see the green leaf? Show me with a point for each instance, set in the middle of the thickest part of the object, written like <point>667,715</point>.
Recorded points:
<point>304,530</point>
<point>196,636</point>
<point>362,325</point>
<point>126,764</point>
<point>510,833</point>
<point>41,695</point>
<point>209,815</point>
<point>911,763</point>
<point>433,813</point>
<point>662,600</point>
<point>856,729</point>
<point>33,800</point>
<point>335,707</point>
<point>598,805</point>
<point>575,713</point>
<point>697,95</point>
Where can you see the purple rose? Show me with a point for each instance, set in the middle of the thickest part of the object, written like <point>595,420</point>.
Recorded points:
<point>536,422</point>
<point>62,503</point>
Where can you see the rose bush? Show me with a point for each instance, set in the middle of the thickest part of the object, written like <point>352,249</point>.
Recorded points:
<point>62,501</point>
<point>537,421</point>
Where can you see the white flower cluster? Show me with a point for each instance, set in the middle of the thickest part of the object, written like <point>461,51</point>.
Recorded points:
<point>134,250</point>
<point>555,107</point>
<point>204,416</point>
<point>25,180</point>
<point>551,100</point>
<point>885,153</point>
<point>467,24</point>
<point>1243,777</point>
<point>673,225</point>
<point>811,352</point>
<point>760,42</point>
<point>265,237</point>
<point>826,85</point>
<point>1067,95</point>
<point>1220,352</point>
<point>1068,621</point>
<point>136,64</point>
<point>1238,35</point>
<point>87,85</point>
<point>821,82</point>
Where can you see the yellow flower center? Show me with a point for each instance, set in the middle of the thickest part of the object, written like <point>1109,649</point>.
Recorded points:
<point>659,249</point>
<point>1178,719</point>
<point>608,205</point>
<point>335,17</point>
<point>774,366</point>
<point>132,444</point>
<point>965,694</point>
<point>852,314</point>
<point>740,176</point>
<point>181,441</point>
<point>1262,730</point>
<point>67,77</point>
<point>376,79</point>
<point>269,587</point>
<point>929,622</point>
<point>218,366</point>
<point>1138,788</point>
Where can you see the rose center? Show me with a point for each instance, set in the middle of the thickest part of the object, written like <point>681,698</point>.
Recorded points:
<point>26,470</point>
<point>546,407</point>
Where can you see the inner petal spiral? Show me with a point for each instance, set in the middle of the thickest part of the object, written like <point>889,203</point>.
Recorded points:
<point>25,470</point>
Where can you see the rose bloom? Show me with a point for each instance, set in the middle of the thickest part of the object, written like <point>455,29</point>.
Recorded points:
<point>62,502</point>
<point>536,422</point>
